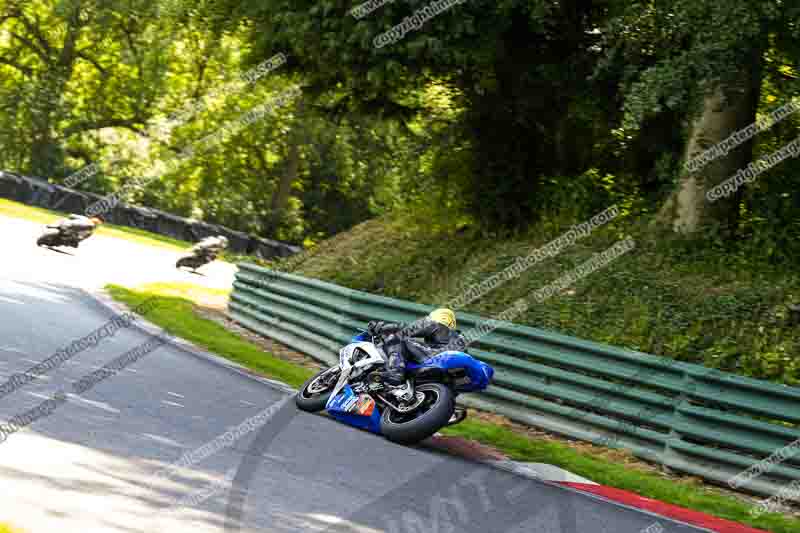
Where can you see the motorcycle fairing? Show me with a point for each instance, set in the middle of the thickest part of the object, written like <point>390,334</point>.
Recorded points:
<point>345,407</point>
<point>479,374</point>
<point>360,337</point>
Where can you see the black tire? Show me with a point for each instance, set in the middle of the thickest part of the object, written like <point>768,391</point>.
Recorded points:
<point>50,238</point>
<point>404,429</point>
<point>314,402</point>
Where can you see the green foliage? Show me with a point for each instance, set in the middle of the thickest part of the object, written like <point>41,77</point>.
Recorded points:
<point>503,65</point>
<point>490,116</point>
<point>69,69</point>
<point>667,53</point>
<point>131,107</point>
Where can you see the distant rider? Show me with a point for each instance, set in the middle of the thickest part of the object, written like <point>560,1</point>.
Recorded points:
<point>419,340</point>
<point>211,246</point>
<point>81,226</point>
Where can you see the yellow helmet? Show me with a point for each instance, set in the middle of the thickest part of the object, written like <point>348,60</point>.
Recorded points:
<point>443,316</point>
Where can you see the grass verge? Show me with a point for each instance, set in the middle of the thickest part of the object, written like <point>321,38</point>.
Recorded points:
<point>177,316</point>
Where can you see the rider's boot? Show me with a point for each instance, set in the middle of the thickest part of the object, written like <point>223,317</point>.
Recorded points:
<point>394,376</point>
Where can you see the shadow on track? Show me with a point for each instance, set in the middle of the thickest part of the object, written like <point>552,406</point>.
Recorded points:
<point>57,250</point>
<point>192,272</point>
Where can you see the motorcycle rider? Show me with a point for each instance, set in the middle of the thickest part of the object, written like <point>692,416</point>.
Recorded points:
<point>211,246</point>
<point>420,340</point>
<point>80,226</point>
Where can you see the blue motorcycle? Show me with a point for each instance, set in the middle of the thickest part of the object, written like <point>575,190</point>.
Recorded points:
<point>354,393</point>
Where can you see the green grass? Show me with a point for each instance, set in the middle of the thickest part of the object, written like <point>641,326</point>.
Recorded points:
<point>176,315</point>
<point>188,291</point>
<point>143,237</point>
<point>13,209</point>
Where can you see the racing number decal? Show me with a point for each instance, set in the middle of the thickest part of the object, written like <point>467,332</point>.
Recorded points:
<point>350,404</point>
<point>365,406</point>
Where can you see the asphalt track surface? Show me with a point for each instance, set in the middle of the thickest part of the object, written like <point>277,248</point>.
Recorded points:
<point>91,464</point>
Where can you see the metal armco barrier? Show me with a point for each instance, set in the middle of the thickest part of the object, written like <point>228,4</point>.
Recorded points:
<point>685,417</point>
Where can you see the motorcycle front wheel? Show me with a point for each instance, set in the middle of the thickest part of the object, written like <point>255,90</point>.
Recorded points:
<point>187,261</point>
<point>49,238</point>
<point>314,394</point>
<point>429,417</point>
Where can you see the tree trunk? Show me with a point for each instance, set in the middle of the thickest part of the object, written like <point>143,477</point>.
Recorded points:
<point>280,198</point>
<point>725,110</point>
<point>46,155</point>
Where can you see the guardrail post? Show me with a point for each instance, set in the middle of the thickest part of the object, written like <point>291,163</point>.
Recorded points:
<point>674,435</point>
<point>344,314</point>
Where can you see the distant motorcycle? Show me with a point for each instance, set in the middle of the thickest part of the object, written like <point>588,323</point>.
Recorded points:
<point>68,232</point>
<point>202,253</point>
<point>353,393</point>
<point>196,259</point>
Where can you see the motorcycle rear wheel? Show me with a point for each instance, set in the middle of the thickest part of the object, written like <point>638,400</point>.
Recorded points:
<point>418,425</point>
<point>313,396</point>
